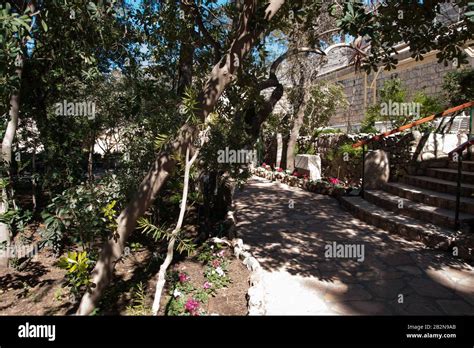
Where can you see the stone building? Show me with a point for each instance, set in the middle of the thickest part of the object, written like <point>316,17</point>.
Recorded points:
<point>361,89</point>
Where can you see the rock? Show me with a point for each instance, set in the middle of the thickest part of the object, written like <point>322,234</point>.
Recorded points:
<point>377,169</point>
<point>256,296</point>
<point>237,242</point>
<point>256,277</point>
<point>244,255</point>
<point>237,252</point>
<point>251,263</point>
<point>310,163</point>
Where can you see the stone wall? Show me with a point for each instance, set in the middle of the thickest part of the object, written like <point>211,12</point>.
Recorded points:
<point>407,152</point>
<point>417,76</point>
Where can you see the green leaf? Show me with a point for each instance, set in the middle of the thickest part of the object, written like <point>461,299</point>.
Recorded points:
<point>44,25</point>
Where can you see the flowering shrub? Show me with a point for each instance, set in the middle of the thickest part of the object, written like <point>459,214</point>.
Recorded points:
<point>298,175</point>
<point>188,300</point>
<point>183,278</point>
<point>216,270</point>
<point>181,289</point>
<point>217,277</point>
<point>328,186</point>
<point>192,306</point>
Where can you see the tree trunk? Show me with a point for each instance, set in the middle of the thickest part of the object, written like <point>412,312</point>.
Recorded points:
<point>161,278</point>
<point>295,132</point>
<point>33,180</point>
<point>7,144</point>
<point>90,160</point>
<point>222,74</point>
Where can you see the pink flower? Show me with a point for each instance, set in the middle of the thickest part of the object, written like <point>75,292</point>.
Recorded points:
<point>183,277</point>
<point>334,181</point>
<point>221,253</point>
<point>207,285</point>
<point>192,306</point>
<point>215,263</point>
<point>279,169</point>
<point>264,164</point>
<point>295,173</point>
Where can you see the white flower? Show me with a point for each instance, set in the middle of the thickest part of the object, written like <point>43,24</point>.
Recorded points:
<point>220,272</point>
<point>177,293</point>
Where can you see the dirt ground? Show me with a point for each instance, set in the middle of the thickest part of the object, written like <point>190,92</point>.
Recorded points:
<point>37,289</point>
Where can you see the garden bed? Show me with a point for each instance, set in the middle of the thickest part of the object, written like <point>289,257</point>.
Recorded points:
<point>38,288</point>
<point>327,186</point>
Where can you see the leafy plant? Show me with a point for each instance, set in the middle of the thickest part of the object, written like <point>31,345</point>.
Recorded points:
<point>73,215</point>
<point>371,116</point>
<point>217,276</point>
<point>160,233</point>
<point>208,251</point>
<point>78,267</point>
<point>16,219</point>
<point>139,306</point>
<point>458,87</point>
<point>175,306</point>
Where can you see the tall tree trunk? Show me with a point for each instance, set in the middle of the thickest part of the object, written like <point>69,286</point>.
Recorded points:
<point>7,155</point>
<point>186,60</point>
<point>295,131</point>
<point>222,74</point>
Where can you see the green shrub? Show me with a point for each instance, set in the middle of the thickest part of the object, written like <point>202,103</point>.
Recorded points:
<point>139,306</point>
<point>78,267</point>
<point>371,116</point>
<point>347,150</point>
<point>81,214</point>
<point>458,86</point>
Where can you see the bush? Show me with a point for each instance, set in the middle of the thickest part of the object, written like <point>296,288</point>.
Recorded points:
<point>78,266</point>
<point>72,217</point>
<point>458,87</point>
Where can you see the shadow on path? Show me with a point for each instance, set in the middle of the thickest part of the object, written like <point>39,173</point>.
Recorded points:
<point>396,276</point>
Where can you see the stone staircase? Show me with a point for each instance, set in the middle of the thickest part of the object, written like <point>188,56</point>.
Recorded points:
<point>422,207</point>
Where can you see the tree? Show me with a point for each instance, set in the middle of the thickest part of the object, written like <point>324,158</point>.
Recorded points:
<point>14,31</point>
<point>222,74</point>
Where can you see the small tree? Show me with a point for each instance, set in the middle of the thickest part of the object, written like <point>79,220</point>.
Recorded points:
<point>458,86</point>
<point>325,99</point>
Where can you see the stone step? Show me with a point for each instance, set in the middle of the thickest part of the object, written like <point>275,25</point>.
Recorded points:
<point>466,165</point>
<point>450,174</point>
<point>440,185</point>
<point>428,213</point>
<point>431,235</point>
<point>434,198</point>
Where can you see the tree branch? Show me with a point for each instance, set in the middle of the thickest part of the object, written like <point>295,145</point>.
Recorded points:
<point>200,23</point>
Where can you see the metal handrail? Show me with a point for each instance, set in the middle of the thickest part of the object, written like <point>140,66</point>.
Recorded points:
<point>415,123</point>
<point>458,150</point>
<point>461,148</point>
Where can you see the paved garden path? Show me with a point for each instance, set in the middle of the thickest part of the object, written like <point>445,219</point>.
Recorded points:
<point>298,279</point>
